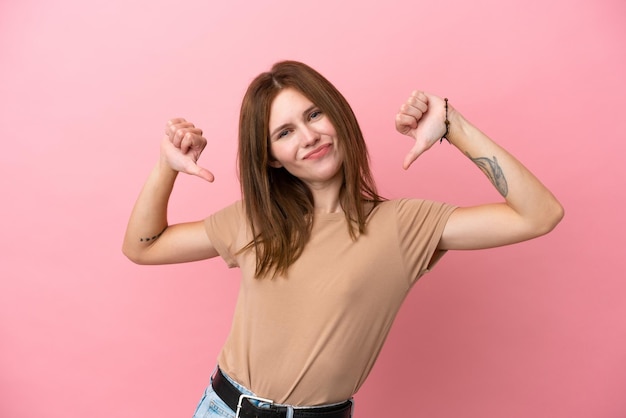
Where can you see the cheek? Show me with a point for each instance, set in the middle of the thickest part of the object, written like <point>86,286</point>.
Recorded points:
<point>330,128</point>
<point>340,146</point>
<point>279,152</point>
<point>274,148</point>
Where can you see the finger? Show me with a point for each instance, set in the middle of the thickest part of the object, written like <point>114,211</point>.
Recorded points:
<point>192,141</point>
<point>416,104</point>
<point>405,122</point>
<point>418,96</point>
<point>174,121</point>
<point>410,110</point>
<point>201,172</point>
<point>175,125</point>
<point>408,160</point>
<point>206,174</point>
<point>172,124</point>
<point>182,133</point>
<point>412,155</point>
<point>414,108</point>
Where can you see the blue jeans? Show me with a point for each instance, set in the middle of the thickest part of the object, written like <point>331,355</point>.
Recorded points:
<point>212,406</point>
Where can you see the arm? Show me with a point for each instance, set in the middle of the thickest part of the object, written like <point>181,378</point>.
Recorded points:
<point>529,210</point>
<point>148,238</point>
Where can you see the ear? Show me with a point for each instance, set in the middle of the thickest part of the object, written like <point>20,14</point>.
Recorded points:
<point>274,163</point>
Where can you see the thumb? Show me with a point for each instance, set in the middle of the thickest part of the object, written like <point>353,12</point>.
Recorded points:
<point>412,155</point>
<point>201,172</point>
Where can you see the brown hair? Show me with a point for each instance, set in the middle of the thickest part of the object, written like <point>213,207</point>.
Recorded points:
<point>278,205</point>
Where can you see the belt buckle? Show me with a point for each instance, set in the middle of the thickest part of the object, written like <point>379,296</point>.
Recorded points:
<point>256,398</point>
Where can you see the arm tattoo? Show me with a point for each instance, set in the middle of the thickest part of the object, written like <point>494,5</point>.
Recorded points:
<point>154,237</point>
<point>493,171</point>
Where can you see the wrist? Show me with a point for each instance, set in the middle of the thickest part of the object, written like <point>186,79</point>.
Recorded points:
<point>455,123</point>
<point>164,170</point>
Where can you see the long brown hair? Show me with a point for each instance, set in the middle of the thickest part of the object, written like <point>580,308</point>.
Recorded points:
<point>279,206</point>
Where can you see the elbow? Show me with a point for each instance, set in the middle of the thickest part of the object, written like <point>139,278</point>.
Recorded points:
<point>559,214</point>
<point>129,254</point>
<point>556,215</point>
<point>551,217</point>
<point>132,254</point>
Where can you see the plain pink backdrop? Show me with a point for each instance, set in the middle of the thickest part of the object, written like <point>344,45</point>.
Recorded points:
<point>533,330</point>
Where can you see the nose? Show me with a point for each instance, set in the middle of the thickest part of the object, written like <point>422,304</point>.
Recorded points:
<point>309,136</point>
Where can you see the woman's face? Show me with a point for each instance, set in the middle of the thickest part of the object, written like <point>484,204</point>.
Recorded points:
<point>303,140</point>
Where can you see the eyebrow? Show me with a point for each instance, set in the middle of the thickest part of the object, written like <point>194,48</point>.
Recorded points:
<point>284,125</point>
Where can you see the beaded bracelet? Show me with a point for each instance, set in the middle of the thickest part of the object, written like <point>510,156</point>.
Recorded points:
<point>447,122</point>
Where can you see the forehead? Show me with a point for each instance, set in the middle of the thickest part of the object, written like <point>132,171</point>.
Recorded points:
<point>289,104</point>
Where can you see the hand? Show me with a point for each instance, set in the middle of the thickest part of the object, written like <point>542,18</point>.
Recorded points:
<point>181,147</point>
<point>422,118</point>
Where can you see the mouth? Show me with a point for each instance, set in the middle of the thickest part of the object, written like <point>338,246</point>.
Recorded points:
<point>318,152</point>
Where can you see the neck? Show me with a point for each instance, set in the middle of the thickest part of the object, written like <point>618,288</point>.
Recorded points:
<point>326,197</point>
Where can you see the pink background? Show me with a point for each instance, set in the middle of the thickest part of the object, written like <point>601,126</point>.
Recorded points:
<point>534,330</point>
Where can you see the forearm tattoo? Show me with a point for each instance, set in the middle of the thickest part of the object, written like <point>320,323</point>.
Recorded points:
<point>493,171</point>
<point>154,237</point>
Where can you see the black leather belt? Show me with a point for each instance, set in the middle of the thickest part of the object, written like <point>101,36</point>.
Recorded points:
<point>240,403</point>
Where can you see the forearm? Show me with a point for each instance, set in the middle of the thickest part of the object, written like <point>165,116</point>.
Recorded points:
<point>148,218</point>
<point>523,192</point>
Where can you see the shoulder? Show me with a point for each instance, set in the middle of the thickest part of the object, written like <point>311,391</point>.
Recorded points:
<point>226,231</point>
<point>230,218</point>
<point>411,206</point>
<point>234,210</point>
<point>407,213</point>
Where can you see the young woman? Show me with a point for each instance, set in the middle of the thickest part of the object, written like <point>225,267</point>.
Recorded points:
<point>325,261</point>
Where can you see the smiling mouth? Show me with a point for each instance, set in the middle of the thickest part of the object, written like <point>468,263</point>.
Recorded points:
<point>318,152</point>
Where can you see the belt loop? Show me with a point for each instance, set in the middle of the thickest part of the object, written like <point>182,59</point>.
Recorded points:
<point>289,411</point>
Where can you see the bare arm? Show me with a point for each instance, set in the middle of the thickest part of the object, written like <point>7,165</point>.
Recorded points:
<point>529,208</point>
<point>148,238</point>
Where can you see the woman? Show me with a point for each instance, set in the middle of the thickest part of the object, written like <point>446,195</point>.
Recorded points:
<point>325,261</point>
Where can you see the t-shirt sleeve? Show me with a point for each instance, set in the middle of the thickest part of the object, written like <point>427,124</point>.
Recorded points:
<point>225,229</point>
<point>420,226</point>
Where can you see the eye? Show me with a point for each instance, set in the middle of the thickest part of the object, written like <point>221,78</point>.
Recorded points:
<point>316,114</point>
<point>282,134</point>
